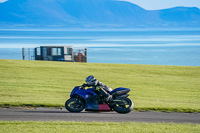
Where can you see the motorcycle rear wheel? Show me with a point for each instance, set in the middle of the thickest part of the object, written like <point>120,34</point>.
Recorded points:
<point>75,105</point>
<point>123,105</point>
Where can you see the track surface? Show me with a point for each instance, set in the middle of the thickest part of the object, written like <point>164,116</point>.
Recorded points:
<point>46,114</point>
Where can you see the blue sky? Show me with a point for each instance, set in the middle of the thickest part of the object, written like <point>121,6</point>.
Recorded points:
<point>160,4</point>
<point>2,1</point>
<point>163,4</point>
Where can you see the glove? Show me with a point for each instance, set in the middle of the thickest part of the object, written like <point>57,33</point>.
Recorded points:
<point>83,86</point>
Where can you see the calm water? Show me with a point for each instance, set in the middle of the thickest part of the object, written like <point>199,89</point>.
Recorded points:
<point>158,47</point>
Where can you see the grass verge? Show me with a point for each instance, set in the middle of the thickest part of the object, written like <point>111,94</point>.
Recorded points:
<point>48,84</point>
<point>96,127</point>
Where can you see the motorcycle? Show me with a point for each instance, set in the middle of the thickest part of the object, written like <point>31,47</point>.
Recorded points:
<point>90,100</point>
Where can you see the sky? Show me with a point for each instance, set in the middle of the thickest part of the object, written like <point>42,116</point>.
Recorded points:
<point>160,4</point>
<point>2,1</point>
<point>163,4</point>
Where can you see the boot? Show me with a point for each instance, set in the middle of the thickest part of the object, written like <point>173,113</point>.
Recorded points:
<point>109,98</point>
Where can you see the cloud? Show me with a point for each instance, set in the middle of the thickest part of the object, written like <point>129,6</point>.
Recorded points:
<point>2,1</point>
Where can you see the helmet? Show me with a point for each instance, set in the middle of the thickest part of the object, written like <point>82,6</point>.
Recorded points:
<point>90,80</point>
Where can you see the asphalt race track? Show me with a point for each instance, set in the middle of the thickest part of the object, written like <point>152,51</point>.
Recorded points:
<point>46,114</point>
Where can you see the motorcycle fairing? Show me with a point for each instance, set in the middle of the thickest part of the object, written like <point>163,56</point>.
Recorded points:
<point>84,93</point>
<point>92,103</point>
<point>89,95</point>
<point>77,88</point>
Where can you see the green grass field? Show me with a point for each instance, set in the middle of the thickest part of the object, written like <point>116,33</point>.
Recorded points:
<point>96,127</point>
<point>48,84</point>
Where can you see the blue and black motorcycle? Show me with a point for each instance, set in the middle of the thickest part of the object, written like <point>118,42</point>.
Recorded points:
<point>90,100</point>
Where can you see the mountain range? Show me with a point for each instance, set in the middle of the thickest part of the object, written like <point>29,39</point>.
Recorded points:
<point>92,13</point>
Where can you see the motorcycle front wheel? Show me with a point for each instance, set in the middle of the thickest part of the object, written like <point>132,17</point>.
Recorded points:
<point>123,105</point>
<point>75,105</point>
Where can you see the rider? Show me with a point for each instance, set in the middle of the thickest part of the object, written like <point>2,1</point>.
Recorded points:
<point>103,89</point>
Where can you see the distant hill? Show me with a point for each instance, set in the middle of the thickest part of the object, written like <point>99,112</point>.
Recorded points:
<point>92,13</point>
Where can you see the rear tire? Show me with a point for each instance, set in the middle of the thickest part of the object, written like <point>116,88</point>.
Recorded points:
<point>75,104</point>
<point>123,105</point>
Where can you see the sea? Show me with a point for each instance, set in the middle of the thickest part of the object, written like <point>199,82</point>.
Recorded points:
<point>177,47</point>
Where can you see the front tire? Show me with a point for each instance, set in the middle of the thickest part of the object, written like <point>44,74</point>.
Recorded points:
<point>123,105</point>
<point>75,104</point>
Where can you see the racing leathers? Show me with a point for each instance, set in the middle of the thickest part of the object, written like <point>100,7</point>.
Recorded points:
<point>101,88</point>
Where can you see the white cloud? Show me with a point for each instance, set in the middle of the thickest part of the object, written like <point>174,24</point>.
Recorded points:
<point>2,1</point>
